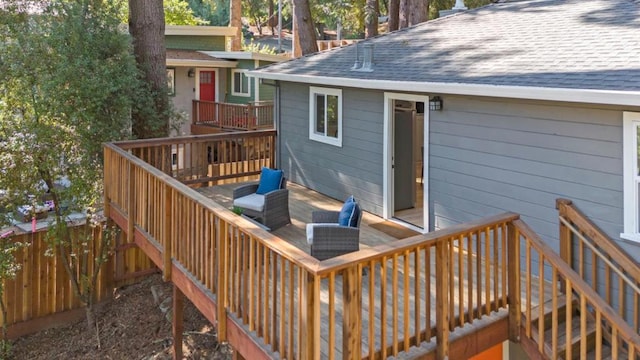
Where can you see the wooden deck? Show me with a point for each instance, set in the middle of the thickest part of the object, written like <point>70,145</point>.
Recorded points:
<point>443,294</point>
<point>382,320</point>
<point>302,202</point>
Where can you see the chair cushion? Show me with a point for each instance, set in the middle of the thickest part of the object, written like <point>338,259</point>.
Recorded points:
<point>270,180</point>
<point>350,213</point>
<point>310,228</point>
<point>253,202</point>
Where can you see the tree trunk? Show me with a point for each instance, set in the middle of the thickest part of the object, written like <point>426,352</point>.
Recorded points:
<point>305,35</point>
<point>235,20</point>
<point>146,26</point>
<point>273,19</point>
<point>419,12</point>
<point>403,14</point>
<point>394,8</point>
<point>371,18</point>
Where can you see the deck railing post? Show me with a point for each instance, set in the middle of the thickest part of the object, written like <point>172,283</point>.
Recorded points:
<point>131,204</point>
<point>310,317</point>
<point>515,312</point>
<point>166,236</point>
<point>442,299</point>
<point>222,235</point>
<point>351,316</point>
<point>565,237</point>
<point>194,112</point>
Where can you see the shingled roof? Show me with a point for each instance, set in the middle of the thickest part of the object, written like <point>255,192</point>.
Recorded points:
<point>591,45</point>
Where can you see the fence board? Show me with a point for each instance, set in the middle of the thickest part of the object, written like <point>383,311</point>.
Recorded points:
<point>42,288</point>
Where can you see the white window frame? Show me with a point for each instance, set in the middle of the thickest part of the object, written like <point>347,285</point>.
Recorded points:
<point>233,83</point>
<point>631,179</point>
<point>313,135</point>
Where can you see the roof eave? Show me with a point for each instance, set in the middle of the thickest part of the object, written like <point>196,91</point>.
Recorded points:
<point>245,55</point>
<point>202,63</point>
<point>590,96</point>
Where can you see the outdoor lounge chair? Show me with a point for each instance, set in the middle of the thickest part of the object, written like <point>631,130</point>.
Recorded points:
<point>269,207</point>
<point>331,235</point>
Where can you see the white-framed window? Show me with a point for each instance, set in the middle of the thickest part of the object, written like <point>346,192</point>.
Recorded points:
<point>325,115</point>
<point>240,83</point>
<point>631,175</point>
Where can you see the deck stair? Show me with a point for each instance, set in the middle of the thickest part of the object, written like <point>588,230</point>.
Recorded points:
<point>576,336</point>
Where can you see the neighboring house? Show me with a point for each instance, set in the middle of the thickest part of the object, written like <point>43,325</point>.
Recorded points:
<point>200,69</point>
<point>539,100</point>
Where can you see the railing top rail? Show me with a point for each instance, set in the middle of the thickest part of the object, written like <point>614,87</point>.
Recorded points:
<point>274,243</point>
<point>136,144</point>
<point>568,210</point>
<point>344,261</point>
<point>626,332</point>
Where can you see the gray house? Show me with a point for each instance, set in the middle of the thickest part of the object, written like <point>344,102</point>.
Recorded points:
<point>501,108</point>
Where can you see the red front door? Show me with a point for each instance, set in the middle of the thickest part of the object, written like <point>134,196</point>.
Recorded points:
<point>207,85</point>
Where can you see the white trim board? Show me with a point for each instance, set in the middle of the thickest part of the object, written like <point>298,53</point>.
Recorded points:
<point>387,152</point>
<point>589,96</point>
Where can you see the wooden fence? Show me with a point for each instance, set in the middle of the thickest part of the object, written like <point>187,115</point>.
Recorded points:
<point>41,294</point>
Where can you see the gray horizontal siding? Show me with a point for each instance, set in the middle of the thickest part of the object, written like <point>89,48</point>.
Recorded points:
<point>489,156</point>
<point>353,169</point>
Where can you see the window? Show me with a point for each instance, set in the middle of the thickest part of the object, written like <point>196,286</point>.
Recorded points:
<point>240,86</point>
<point>631,173</point>
<point>325,115</point>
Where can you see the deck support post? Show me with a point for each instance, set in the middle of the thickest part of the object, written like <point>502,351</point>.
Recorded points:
<point>222,235</point>
<point>442,299</point>
<point>177,324</point>
<point>515,311</point>
<point>352,308</point>
<point>310,316</point>
<point>166,236</point>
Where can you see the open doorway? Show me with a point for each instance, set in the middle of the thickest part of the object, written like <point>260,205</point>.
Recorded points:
<point>406,187</point>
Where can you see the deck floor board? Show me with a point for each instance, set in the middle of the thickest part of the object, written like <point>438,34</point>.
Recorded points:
<point>302,202</point>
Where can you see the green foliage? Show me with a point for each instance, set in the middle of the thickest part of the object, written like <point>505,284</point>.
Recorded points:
<point>8,270</point>
<point>178,12</point>
<point>258,48</point>
<point>214,12</point>
<point>68,83</point>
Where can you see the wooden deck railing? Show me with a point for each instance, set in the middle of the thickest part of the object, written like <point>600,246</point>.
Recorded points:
<point>567,291</point>
<point>206,159</point>
<point>251,116</point>
<point>404,300</point>
<point>371,304</point>
<point>599,261</point>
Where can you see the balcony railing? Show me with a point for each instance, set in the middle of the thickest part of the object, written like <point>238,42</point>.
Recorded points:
<point>251,116</point>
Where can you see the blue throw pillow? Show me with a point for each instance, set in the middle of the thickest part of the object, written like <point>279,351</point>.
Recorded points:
<point>350,213</point>
<point>270,180</point>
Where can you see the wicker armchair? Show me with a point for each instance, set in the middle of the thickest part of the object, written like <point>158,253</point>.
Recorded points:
<point>330,239</point>
<point>274,212</point>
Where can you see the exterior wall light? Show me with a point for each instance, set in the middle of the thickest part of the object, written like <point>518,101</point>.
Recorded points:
<point>435,104</point>
<point>191,72</point>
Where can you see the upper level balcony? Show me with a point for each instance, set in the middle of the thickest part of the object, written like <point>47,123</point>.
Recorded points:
<point>211,117</point>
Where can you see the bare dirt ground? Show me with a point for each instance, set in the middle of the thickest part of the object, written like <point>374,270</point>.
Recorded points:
<point>132,326</point>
